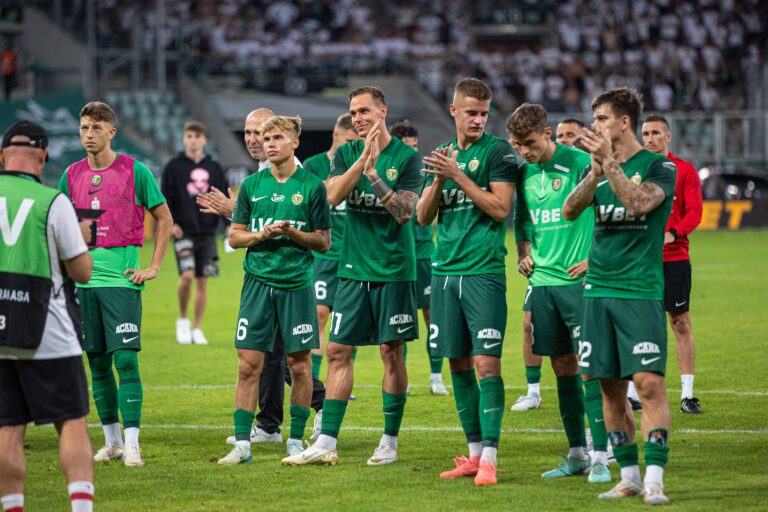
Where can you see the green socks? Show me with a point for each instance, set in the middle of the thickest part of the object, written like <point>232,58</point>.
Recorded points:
<point>317,361</point>
<point>624,449</point>
<point>491,409</point>
<point>129,395</point>
<point>571,400</point>
<point>466,393</point>
<point>104,387</point>
<point>394,405</point>
<point>299,417</point>
<point>243,422</point>
<point>593,406</point>
<point>435,361</point>
<point>333,415</point>
<point>533,374</point>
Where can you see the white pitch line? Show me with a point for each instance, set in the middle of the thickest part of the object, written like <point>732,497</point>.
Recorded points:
<point>357,428</point>
<point>732,392</point>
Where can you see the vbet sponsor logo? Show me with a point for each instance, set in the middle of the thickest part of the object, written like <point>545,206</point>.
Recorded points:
<point>298,224</point>
<point>539,216</point>
<point>456,196</point>
<point>606,212</point>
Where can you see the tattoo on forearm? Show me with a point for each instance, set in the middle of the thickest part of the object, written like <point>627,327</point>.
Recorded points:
<point>581,196</point>
<point>639,200</point>
<point>523,249</point>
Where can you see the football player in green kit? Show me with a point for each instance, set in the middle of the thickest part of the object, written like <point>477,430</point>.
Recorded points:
<point>280,215</point>
<point>623,326</point>
<point>552,253</point>
<point>375,304</point>
<point>470,186</point>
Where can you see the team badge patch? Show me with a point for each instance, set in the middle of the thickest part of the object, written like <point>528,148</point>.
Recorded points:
<point>557,183</point>
<point>474,164</point>
<point>392,174</point>
<point>636,179</point>
<point>297,199</point>
<point>96,180</point>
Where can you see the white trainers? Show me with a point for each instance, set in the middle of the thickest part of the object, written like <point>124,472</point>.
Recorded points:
<point>238,455</point>
<point>108,452</point>
<point>132,455</point>
<point>183,331</point>
<point>622,489</point>
<point>317,426</point>
<point>527,402</point>
<point>260,436</point>
<point>198,338</point>
<point>312,455</point>
<point>294,446</point>
<point>383,455</point>
<point>437,387</point>
<point>653,494</point>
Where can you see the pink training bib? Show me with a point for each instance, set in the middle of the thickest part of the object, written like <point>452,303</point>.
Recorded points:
<point>111,191</point>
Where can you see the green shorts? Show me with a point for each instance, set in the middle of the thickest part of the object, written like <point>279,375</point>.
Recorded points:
<point>373,313</point>
<point>621,337</point>
<point>555,318</point>
<point>468,315</point>
<point>527,299</point>
<point>111,318</point>
<point>326,281</point>
<point>423,282</point>
<point>266,311</point>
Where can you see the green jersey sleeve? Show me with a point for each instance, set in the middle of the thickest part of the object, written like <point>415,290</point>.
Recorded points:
<point>664,174</point>
<point>338,165</point>
<point>502,163</point>
<point>242,213</point>
<point>63,183</point>
<point>147,191</point>
<point>319,213</point>
<point>411,178</point>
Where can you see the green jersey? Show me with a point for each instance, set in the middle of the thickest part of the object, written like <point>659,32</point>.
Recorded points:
<point>375,246</point>
<point>469,241</point>
<point>556,244</point>
<point>110,263</point>
<point>320,166</point>
<point>262,200</point>
<point>625,258</point>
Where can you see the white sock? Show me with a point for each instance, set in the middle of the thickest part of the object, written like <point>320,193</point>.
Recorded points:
<point>578,452</point>
<point>11,501</point>
<point>243,444</point>
<point>435,376</point>
<point>489,454</point>
<point>81,494</point>
<point>534,389</point>
<point>600,457</point>
<point>654,475</point>
<point>687,381</point>
<point>112,434</point>
<point>475,449</point>
<point>326,442</point>
<point>132,435</point>
<point>631,473</point>
<point>390,441</point>
<point>632,392</point>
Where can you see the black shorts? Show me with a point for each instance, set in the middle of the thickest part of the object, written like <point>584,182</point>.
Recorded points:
<point>43,391</point>
<point>198,253</point>
<point>677,286</point>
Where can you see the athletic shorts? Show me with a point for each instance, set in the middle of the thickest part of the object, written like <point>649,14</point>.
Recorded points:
<point>527,299</point>
<point>621,337</point>
<point>468,315</point>
<point>326,281</point>
<point>43,391</point>
<point>423,282</point>
<point>374,313</point>
<point>677,286</point>
<point>266,312</point>
<point>111,319</point>
<point>555,317</point>
<point>198,253</point>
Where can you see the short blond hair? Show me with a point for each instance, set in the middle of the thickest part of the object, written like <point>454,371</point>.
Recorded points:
<point>285,123</point>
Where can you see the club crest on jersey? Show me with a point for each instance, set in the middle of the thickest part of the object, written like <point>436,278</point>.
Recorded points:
<point>96,180</point>
<point>473,164</point>
<point>636,179</point>
<point>392,174</point>
<point>277,198</point>
<point>296,199</point>
<point>557,183</point>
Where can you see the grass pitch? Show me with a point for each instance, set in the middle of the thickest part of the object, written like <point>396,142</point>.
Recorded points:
<point>716,461</point>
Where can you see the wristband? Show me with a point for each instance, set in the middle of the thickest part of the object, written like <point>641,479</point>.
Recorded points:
<point>673,232</point>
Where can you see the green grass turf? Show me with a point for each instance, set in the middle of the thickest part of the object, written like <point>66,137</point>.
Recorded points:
<point>716,468</point>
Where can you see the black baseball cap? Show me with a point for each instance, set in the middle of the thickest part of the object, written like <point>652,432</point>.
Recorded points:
<point>38,137</point>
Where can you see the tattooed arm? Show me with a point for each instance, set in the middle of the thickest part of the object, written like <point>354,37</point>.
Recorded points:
<point>524,260</point>
<point>640,199</point>
<point>581,197</point>
<point>400,204</point>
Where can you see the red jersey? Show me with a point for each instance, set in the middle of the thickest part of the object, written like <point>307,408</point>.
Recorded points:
<point>686,209</point>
